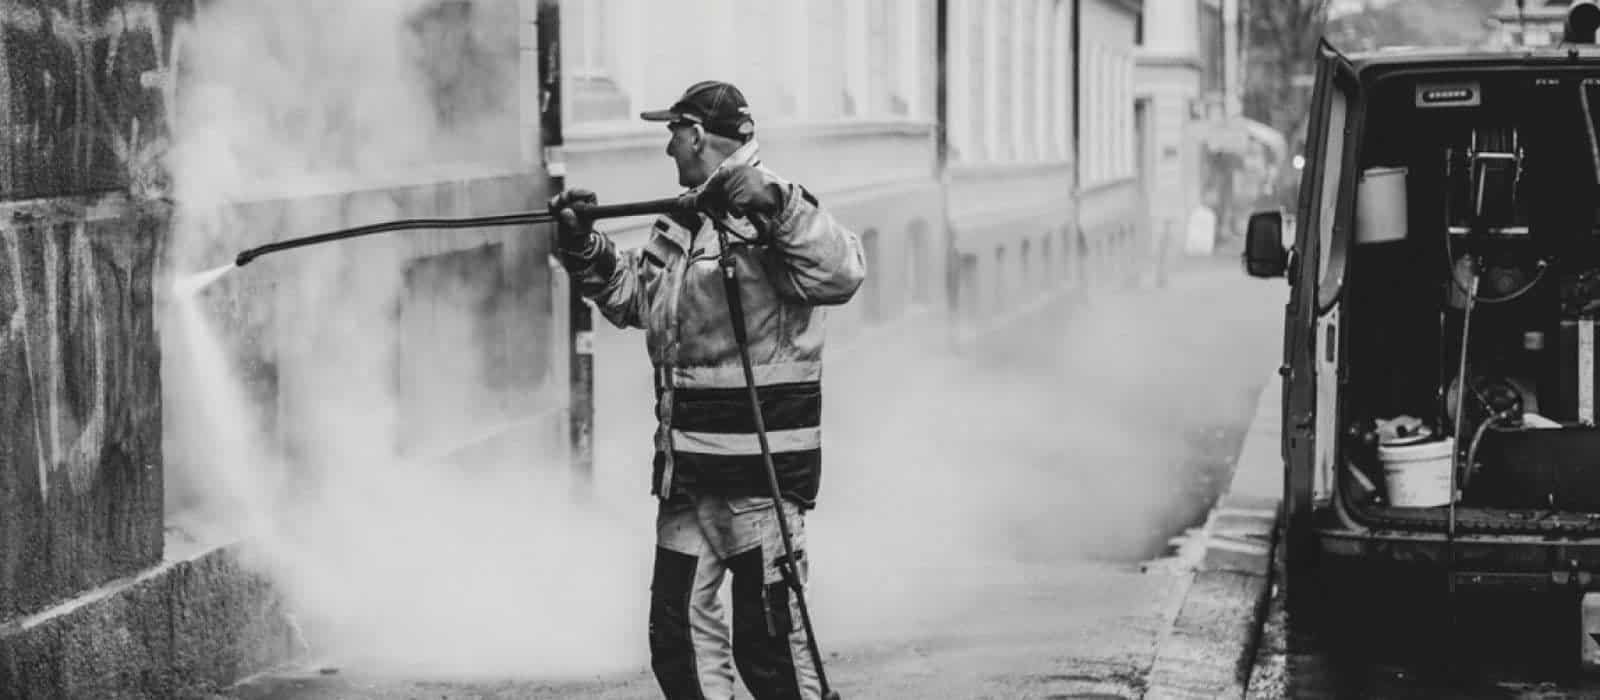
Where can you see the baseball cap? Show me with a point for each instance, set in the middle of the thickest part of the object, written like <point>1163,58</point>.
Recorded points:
<point>719,107</point>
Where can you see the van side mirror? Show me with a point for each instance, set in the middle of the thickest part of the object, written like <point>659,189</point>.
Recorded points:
<point>1583,18</point>
<point>1264,254</point>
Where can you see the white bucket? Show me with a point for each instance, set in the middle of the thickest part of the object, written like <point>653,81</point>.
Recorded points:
<point>1417,475</point>
<point>1381,205</point>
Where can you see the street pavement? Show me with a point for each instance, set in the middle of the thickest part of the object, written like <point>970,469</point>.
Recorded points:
<point>984,519</point>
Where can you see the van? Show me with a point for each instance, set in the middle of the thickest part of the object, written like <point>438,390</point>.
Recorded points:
<point>1441,388</point>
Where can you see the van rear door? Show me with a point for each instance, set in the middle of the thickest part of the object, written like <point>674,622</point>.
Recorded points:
<point>1311,343</point>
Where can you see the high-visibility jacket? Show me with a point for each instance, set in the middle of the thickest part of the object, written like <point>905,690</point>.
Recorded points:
<point>672,287</point>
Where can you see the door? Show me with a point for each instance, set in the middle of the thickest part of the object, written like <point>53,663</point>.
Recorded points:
<point>1310,331</point>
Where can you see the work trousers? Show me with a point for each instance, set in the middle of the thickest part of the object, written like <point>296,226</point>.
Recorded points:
<point>700,539</point>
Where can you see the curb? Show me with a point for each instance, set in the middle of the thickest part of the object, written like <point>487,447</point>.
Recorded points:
<point>1209,650</point>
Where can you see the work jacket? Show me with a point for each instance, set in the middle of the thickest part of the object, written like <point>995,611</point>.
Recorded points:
<point>672,288</point>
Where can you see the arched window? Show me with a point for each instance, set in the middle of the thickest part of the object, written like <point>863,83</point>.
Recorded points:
<point>1069,254</point>
<point>1025,263</point>
<point>998,284</point>
<point>919,262</point>
<point>970,301</point>
<point>1047,262</point>
<point>872,288</point>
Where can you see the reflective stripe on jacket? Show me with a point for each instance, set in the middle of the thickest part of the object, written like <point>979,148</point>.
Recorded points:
<point>672,288</point>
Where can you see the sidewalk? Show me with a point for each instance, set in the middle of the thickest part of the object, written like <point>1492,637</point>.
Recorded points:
<point>1209,651</point>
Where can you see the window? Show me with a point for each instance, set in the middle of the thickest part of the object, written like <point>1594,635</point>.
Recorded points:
<point>589,62</point>
<point>1027,87</point>
<point>1044,80</point>
<point>910,56</point>
<point>880,54</point>
<point>1067,97</point>
<point>827,75</point>
<point>759,70</point>
<point>792,42</point>
<point>1210,33</point>
<point>1005,75</point>
<point>977,80</point>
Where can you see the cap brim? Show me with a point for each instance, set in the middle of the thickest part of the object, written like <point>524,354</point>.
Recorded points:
<point>660,115</point>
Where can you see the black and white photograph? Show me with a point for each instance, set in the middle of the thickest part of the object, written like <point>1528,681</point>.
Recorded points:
<point>799,349</point>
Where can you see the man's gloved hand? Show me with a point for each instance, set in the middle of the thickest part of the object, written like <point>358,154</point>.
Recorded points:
<point>574,233</point>
<point>745,191</point>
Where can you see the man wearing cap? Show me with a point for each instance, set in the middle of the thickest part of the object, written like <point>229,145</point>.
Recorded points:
<point>714,514</point>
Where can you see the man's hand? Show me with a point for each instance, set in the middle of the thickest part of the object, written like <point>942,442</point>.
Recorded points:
<point>746,191</point>
<point>573,232</point>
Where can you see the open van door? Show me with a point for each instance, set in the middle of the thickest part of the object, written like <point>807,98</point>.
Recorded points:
<point>1311,339</point>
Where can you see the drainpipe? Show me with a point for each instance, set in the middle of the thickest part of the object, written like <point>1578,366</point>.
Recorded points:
<point>941,158</point>
<point>1077,98</point>
<point>580,331</point>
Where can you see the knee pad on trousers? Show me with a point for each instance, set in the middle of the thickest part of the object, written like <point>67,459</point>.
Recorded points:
<point>761,628</point>
<point>671,646</point>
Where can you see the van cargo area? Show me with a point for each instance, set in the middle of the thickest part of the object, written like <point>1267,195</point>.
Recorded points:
<point>1475,218</point>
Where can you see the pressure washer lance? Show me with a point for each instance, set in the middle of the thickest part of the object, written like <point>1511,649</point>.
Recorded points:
<point>596,212</point>
<point>791,577</point>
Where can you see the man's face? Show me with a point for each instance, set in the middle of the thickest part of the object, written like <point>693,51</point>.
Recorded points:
<point>684,148</point>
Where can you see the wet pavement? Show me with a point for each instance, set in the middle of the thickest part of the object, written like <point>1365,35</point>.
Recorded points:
<point>983,520</point>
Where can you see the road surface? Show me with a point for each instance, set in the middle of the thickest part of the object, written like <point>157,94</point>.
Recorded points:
<point>983,521</point>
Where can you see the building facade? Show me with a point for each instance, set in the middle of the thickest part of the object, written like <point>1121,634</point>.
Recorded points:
<point>1011,180</point>
<point>1185,91</point>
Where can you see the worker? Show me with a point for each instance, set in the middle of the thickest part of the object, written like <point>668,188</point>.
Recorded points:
<point>715,515</point>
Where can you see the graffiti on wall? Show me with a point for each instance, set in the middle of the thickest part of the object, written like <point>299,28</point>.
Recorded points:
<point>84,89</point>
<point>74,349</point>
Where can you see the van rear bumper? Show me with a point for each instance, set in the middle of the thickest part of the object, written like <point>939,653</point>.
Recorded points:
<point>1503,562</point>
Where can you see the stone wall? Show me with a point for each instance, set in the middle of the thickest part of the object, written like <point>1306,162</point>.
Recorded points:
<point>80,466</point>
<point>196,624</point>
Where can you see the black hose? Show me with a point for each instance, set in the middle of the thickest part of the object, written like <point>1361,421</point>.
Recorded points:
<point>787,569</point>
<point>1455,436</point>
<point>593,213</point>
<point>1588,125</point>
<point>1477,438</point>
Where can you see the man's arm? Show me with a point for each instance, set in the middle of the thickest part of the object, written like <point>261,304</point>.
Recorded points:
<point>820,261</point>
<point>824,260</point>
<point>599,273</point>
<point>610,279</point>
